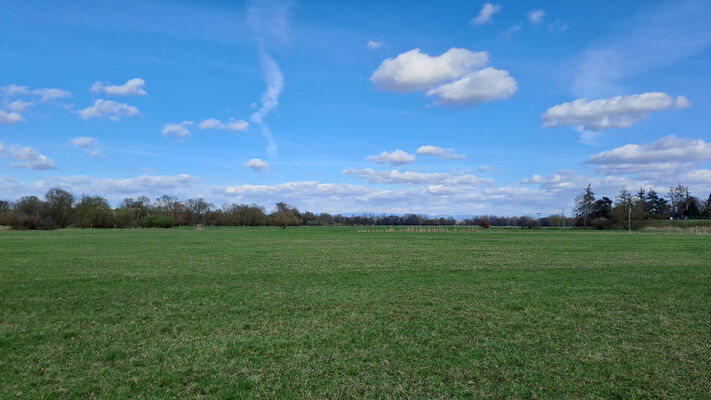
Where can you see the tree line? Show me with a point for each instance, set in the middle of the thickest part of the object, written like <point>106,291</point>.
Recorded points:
<point>631,210</point>
<point>61,209</point>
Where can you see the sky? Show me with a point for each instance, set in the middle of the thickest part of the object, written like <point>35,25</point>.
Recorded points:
<point>438,108</point>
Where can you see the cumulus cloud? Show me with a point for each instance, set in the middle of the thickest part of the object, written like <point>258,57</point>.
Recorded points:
<point>257,165</point>
<point>417,71</point>
<point>476,87</point>
<point>19,105</point>
<point>178,131</point>
<point>374,44</point>
<point>10,118</point>
<point>14,90</point>
<point>447,154</point>
<point>455,78</point>
<point>614,112</point>
<point>108,108</point>
<point>668,154</point>
<point>84,142</point>
<point>91,146</point>
<point>49,94</point>
<point>237,125</point>
<point>114,189</point>
<point>26,157</point>
<point>410,177</point>
<point>397,157</point>
<point>536,16</point>
<point>132,87</point>
<point>487,11</point>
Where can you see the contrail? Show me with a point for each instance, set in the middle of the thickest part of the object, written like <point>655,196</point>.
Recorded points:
<point>270,98</point>
<point>268,20</point>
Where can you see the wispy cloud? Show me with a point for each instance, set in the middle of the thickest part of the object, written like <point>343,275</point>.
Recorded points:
<point>659,37</point>
<point>374,44</point>
<point>90,145</point>
<point>536,16</point>
<point>269,22</point>
<point>487,11</point>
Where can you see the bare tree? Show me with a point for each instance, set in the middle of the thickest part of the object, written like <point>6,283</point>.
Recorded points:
<point>585,205</point>
<point>59,204</point>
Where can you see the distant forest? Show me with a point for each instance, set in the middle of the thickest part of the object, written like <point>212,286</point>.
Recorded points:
<point>61,209</point>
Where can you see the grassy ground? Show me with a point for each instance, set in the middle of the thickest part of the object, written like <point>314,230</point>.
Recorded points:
<point>337,313</point>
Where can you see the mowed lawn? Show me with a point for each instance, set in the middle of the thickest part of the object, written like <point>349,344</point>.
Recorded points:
<point>336,313</point>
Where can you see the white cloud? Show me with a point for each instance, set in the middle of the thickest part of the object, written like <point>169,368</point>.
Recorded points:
<point>257,165</point>
<point>485,14</point>
<point>448,154</point>
<point>115,190</point>
<point>417,71</point>
<point>508,34</point>
<point>374,44</point>
<point>697,177</point>
<point>14,90</point>
<point>84,142</point>
<point>10,118</point>
<point>476,87</point>
<point>237,125</point>
<point>536,16</point>
<point>614,112</point>
<point>91,146</point>
<point>484,168</point>
<point>179,131</point>
<point>669,154</point>
<point>557,26</point>
<point>454,77</point>
<point>132,87</point>
<point>269,20</point>
<point>49,94</point>
<point>19,105</point>
<point>270,99</point>
<point>397,157</point>
<point>27,156</point>
<point>419,178</point>
<point>109,108</point>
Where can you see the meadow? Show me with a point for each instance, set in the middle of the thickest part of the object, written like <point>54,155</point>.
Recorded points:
<point>332,312</point>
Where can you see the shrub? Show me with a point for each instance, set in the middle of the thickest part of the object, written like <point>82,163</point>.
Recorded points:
<point>484,224</point>
<point>157,221</point>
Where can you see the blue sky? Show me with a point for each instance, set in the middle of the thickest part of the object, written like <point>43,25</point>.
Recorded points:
<point>454,108</point>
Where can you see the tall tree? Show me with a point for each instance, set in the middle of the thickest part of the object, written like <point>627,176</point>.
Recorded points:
<point>59,203</point>
<point>656,206</point>
<point>707,209</point>
<point>624,199</point>
<point>585,205</point>
<point>678,199</point>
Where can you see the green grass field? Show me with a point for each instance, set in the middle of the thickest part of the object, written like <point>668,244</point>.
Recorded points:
<point>337,313</point>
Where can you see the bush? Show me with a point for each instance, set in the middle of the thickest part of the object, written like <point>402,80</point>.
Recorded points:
<point>157,221</point>
<point>484,224</point>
